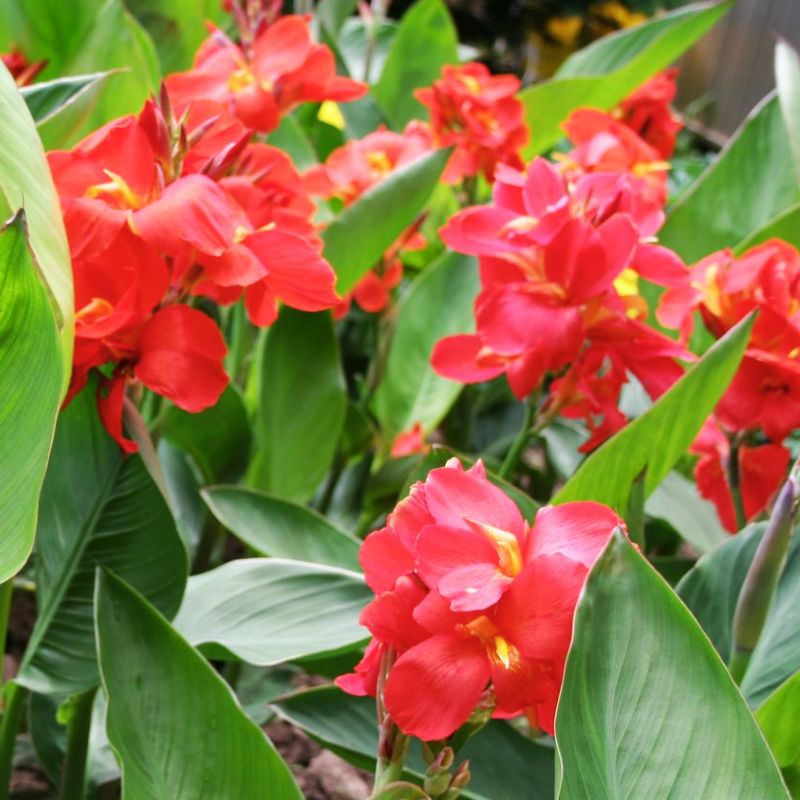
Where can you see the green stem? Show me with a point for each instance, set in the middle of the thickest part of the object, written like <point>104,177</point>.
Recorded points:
<point>6,592</point>
<point>238,334</point>
<point>14,701</point>
<point>519,444</point>
<point>635,518</point>
<point>209,537</point>
<point>734,480</point>
<point>331,482</point>
<point>73,785</point>
<point>758,589</point>
<point>137,428</point>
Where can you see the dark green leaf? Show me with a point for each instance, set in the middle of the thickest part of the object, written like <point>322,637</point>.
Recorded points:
<point>183,488</point>
<point>647,708</point>
<point>605,73</point>
<point>48,98</point>
<point>747,185</point>
<point>177,27</point>
<point>301,408</point>
<point>333,13</point>
<point>356,240</point>
<point>97,507</point>
<point>710,590</point>
<point>176,727</point>
<point>275,527</point>
<point>505,765</point>
<point>426,40</point>
<point>778,719</point>
<point>115,41</point>
<point>30,387</point>
<point>218,439</point>
<point>657,439</point>
<point>267,611</point>
<point>437,304</point>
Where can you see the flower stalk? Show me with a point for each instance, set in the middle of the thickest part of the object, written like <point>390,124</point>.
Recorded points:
<point>762,578</point>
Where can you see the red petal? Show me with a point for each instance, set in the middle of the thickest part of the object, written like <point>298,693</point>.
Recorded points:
<point>389,617</point>
<point>297,273</point>
<point>453,496</point>
<point>434,687</point>
<point>110,396</point>
<point>181,358</point>
<point>579,531</point>
<point>536,612</point>
<point>384,559</point>
<point>456,357</point>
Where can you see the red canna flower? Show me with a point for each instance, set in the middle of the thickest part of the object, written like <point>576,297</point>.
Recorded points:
<point>247,232</point>
<point>22,71</point>
<point>174,350</point>
<point>409,442</point>
<point>473,599</point>
<point>259,83</point>
<point>647,112</point>
<point>478,114</point>
<point>604,144</point>
<point>762,470</point>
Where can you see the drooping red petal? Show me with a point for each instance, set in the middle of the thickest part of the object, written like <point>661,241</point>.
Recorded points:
<point>297,274</point>
<point>434,687</point>
<point>181,358</point>
<point>110,396</point>
<point>389,617</point>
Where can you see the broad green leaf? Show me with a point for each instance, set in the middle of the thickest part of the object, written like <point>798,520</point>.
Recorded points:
<point>437,304</point>
<point>505,765</point>
<point>177,27</point>
<point>115,41</point>
<point>25,182</point>
<point>647,709</point>
<point>333,13</point>
<point>218,439</point>
<point>98,507</point>
<point>659,437</point>
<point>785,225</point>
<point>778,719</point>
<point>275,527</point>
<point>362,48</point>
<point>301,408</point>
<point>426,40</point>
<point>787,77</point>
<point>290,137</point>
<point>48,98</point>
<point>747,185</point>
<point>710,590</point>
<point>267,611</point>
<point>606,72</point>
<point>30,387</point>
<point>678,502</point>
<point>356,240</point>
<point>175,726</point>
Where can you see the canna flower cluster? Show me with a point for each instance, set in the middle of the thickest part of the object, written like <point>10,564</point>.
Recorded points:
<point>478,114</point>
<point>560,257</point>
<point>260,80</point>
<point>162,209</point>
<point>473,606</point>
<point>762,405</point>
<point>349,172</point>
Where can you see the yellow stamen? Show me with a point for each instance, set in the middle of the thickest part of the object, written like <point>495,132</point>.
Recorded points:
<point>330,113</point>
<point>379,161</point>
<point>118,187</point>
<point>627,283</point>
